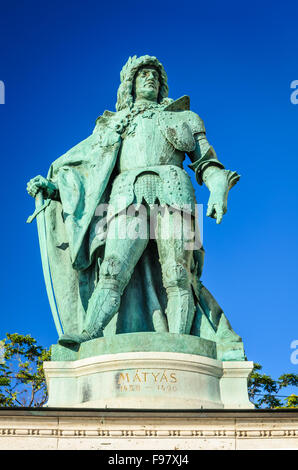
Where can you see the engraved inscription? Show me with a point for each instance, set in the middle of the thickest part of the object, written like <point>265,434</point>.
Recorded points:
<point>141,380</point>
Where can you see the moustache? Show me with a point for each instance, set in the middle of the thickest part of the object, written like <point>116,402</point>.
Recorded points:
<point>151,82</point>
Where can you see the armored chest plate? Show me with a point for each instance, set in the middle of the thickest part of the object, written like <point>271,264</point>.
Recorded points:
<point>145,145</point>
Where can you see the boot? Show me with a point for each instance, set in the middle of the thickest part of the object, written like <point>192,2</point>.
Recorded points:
<point>72,339</point>
<point>103,305</point>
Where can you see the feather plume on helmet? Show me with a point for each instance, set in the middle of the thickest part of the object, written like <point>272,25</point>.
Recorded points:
<point>125,97</point>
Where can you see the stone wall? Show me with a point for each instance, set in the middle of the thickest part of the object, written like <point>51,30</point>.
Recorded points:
<point>164,430</point>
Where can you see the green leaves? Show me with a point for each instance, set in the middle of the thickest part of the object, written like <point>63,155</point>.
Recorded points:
<point>4,381</point>
<point>286,380</point>
<point>264,391</point>
<point>292,401</point>
<point>22,381</point>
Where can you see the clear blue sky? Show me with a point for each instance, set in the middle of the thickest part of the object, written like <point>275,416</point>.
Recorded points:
<point>60,62</point>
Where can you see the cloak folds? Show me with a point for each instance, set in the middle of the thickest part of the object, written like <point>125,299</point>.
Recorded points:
<point>84,176</point>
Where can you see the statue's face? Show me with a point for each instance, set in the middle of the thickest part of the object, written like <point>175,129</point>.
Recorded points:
<point>147,84</point>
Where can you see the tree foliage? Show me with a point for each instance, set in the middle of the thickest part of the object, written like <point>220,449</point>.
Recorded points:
<point>265,392</point>
<point>22,380</point>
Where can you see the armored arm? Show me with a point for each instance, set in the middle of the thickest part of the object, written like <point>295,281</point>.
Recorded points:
<point>203,156</point>
<point>209,170</point>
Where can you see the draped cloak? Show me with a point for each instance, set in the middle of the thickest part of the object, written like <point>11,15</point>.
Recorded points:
<point>84,176</point>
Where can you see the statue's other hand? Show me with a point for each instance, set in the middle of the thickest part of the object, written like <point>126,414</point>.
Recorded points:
<point>217,206</point>
<point>39,183</point>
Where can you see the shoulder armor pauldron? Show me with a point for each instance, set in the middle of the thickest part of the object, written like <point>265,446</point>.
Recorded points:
<point>179,128</point>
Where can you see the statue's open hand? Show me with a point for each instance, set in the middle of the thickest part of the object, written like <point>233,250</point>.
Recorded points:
<point>39,183</point>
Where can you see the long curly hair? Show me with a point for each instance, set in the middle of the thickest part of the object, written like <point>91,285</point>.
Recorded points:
<point>125,98</point>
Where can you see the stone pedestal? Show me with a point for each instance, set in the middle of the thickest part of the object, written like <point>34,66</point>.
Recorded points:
<point>148,380</point>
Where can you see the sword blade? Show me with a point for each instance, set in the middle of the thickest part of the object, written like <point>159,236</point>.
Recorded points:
<point>41,228</point>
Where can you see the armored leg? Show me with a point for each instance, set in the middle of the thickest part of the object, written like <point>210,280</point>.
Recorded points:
<point>175,262</point>
<point>121,257</point>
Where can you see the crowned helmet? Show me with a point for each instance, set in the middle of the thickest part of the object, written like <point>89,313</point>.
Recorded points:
<point>127,75</point>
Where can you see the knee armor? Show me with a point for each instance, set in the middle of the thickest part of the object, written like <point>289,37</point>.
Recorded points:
<point>114,272</point>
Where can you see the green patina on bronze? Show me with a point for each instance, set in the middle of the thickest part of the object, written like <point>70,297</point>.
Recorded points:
<point>136,342</point>
<point>101,284</point>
